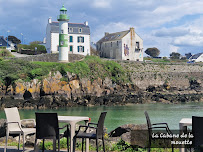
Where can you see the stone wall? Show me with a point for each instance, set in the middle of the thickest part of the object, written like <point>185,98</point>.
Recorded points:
<point>50,57</point>
<point>177,75</point>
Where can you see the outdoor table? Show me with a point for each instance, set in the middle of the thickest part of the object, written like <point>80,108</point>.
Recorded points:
<point>72,120</point>
<point>182,126</point>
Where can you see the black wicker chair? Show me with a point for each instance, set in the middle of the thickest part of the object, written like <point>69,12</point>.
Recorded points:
<point>155,126</point>
<point>99,134</point>
<point>47,128</point>
<point>197,130</point>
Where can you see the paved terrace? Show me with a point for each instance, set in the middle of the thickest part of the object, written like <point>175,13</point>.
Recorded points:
<point>14,149</point>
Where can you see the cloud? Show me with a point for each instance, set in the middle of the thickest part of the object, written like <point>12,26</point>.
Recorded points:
<point>188,40</point>
<point>172,32</point>
<point>101,4</point>
<point>111,27</point>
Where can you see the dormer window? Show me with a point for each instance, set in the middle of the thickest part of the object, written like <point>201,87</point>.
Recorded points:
<point>80,30</point>
<point>70,29</point>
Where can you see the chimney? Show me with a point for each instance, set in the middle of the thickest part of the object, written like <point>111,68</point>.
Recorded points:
<point>106,33</point>
<point>132,29</point>
<point>86,23</point>
<point>49,20</point>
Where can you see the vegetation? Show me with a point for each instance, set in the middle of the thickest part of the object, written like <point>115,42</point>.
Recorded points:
<point>35,42</point>
<point>32,47</point>
<point>91,67</point>
<point>13,39</point>
<point>5,53</point>
<point>175,55</point>
<point>153,52</point>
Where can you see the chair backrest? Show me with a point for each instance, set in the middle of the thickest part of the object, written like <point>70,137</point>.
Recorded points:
<point>197,130</point>
<point>47,126</point>
<point>100,127</point>
<point>12,115</point>
<point>149,125</point>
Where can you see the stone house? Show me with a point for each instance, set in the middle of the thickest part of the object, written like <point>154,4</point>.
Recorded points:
<point>125,45</point>
<point>78,38</point>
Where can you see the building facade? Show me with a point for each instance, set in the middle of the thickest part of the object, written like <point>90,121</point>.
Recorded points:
<point>125,45</point>
<point>78,38</point>
<point>3,43</point>
<point>196,57</point>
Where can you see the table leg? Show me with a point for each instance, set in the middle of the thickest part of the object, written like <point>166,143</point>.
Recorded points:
<point>182,127</point>
<point>54,144</point>
<point>72,134</point>
<point>87,139</point>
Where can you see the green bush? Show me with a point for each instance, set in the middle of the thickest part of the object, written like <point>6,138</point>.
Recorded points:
<point>91,67</point>
<point>5,53</point>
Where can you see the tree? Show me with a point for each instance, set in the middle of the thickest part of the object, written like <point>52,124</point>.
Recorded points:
<point>188,55</point>
<point>35,42</point>
<point>13,39</point>
<point>153,52</point>
<point>175,55</point>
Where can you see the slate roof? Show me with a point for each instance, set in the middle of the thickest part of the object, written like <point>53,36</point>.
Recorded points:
<point>75,26</point>
<point>113,36</point>
<point>196,56</point>
<point>3,42</point>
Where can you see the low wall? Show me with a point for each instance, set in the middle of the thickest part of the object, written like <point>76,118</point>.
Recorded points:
<point>49,57</point>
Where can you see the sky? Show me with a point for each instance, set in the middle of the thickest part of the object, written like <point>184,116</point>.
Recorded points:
<point>169,25</point>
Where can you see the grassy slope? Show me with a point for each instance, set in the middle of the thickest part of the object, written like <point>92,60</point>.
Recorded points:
<point>91,67</point>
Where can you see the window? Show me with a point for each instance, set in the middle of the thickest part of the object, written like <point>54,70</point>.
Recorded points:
<point>61,43</point>
<point>70,38</point>
<point>61,31</point>
<point>117,43</point>
<point>71,48</point>
<point>70,29</point>
<point>137,45</point>
<point>111,44</point>
<point>80,30</point>
<point>80,39</point>
<point>81,49</point>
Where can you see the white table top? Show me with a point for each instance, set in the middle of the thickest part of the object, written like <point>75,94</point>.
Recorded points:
<point>186,122</point>
<point>69,119</point>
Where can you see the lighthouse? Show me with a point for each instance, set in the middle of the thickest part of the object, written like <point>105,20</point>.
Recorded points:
<point>63,35</point>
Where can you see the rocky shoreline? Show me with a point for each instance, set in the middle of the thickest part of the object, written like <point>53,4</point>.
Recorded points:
<point>52,92</point>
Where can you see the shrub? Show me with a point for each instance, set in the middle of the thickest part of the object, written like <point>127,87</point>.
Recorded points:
<point>5,53</point>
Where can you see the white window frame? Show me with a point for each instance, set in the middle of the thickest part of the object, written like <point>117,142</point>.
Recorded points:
<point>70,29</point>
<point>80,30</point>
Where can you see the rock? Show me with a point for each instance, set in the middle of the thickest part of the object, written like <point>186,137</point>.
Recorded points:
<point>132,134</point>
<point>2,127</point>
<point>28,123</point>
<point>107,83</point>
<point>195,85</point>
<point>151,88</point>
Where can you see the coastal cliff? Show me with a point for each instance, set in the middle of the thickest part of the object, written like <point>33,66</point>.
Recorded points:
<point>103,83</point>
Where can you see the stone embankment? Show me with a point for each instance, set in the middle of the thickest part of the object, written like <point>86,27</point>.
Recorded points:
<point>55,92</point>
<point>157,82</point>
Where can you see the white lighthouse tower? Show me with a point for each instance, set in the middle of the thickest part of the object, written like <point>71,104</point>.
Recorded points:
<point>63,35</point>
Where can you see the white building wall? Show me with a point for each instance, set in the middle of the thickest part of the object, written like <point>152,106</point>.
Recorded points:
<point>75,44</point>
<point>129,51</point>
<point>199,59</point>
<point>48,38</point>
<point>54,42</point>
